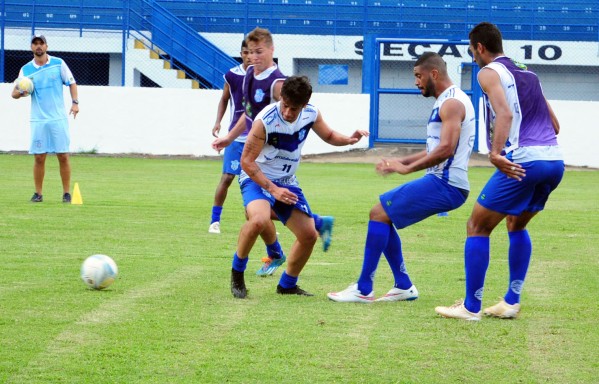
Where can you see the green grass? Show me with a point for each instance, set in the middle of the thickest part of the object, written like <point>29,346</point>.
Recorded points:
<point>170,317</point>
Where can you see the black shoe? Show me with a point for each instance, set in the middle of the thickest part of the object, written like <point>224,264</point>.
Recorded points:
<point>37,198</point>
<point>66,198</point>
<point>238,288</point>
<point>292,291</point>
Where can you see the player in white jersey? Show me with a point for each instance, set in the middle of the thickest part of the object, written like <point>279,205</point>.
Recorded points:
<point>444,187</point>
<point>270,158</point>
<point>49,125</point>
<point>521,131</point>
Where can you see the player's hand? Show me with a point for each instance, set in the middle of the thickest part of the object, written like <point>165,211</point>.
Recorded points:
<point>285,196</point>
<point>388,166</point>
<point>357,135</point>
<point>220,143</point>
<point>74,110</point>
<point>510,169</point>
<point>216,130</point>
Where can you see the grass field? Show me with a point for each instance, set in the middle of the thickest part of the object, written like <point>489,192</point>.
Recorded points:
<point>170,317</point>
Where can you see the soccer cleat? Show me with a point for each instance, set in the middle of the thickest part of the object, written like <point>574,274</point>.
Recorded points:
<point>37,198</point>
<point>396,294</point>
<point>238,288</point>
<point>458,311</point>
<point>326,231</point>
<point>214,227</point>
<point>270,265</point>
<point>66,198</point>
<point>292,291</point>
<point>503,310</point>
<point>351,294</point>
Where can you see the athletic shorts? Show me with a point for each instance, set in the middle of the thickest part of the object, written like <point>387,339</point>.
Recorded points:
<point>232,158</point>
<point>418,199</point>
<point>50,137</point>
<point>251,191</point>
<point>512,197</point>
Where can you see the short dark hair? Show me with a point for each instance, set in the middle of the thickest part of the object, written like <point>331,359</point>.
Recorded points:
<point>297,90</point>
<point>488,35</point>
<point>431,60</point>
<point>244,44</point>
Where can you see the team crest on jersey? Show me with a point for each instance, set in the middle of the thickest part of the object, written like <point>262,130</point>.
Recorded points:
<point>259,95</point>
<point>235,165</point>
<point>302,134</point>
<point>270,119</point>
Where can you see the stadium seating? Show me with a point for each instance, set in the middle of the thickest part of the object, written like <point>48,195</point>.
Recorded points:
<point>521,20</point>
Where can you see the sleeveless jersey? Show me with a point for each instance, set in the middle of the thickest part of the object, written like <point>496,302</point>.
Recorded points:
<point>531,136</point>
<point>454,170</point>
<point>281,154</point>
<point>258,93</point>
<point>47,101</point>
<point>235,80</point>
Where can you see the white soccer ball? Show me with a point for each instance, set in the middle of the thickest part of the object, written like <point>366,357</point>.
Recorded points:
<point>24,83</point>
<point>99,271</point>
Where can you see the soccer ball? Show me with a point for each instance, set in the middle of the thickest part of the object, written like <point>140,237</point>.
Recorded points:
<point>24,84</point>
<point>99,271</point>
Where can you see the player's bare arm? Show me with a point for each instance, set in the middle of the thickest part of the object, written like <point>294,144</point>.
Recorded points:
<point>554,120</point>
<point>222,142</point>
<point>491,85</point>
<point>253,146</point>
<point>330,136</point>
<point>75,97</point>
<point>221,109</point>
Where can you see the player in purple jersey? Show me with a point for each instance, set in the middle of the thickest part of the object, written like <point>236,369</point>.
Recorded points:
<point>270,158</point>
<point>522,129</point>
<point>233,96</point>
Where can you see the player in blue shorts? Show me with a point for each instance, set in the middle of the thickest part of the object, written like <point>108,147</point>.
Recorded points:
<point>233,96</point>
<point>49,124</point>
<point>522,129</point>
<point>444,187</point>
<point>270,158</point>
<point>262,86</point>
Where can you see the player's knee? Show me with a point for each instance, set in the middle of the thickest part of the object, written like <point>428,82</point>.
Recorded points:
<point>308,237</point>
<point>477,228</point>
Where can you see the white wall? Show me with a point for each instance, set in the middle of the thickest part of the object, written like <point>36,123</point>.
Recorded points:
<point>179,121</point>
<point>162,121</point>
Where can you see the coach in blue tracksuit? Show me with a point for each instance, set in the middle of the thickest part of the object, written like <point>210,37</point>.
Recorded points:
<point>49,125</point>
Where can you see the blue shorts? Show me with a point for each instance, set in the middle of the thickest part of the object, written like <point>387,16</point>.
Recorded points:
<point>418,199</point>
<point>50,137</point>
<point>232,158</point>
<point>512,197</point>
<point>251,191</point>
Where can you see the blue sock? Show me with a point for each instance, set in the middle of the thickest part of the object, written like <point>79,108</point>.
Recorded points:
<point>216,211</point>
<point>476,261</point>
<point>287,281</point>
<point>519,259</point>
<point>395,259</point>
<point>376,241</point>
<point>274,250</point>
<point>239,264</point>
<point>317,222</point>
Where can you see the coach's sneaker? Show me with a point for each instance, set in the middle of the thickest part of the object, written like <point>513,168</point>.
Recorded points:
<point>326,231</point>
<point>458,311</point>
<point>503,310</point>
<point>214,227</point>
<point>270,265</point>
<point>292,291</point>
<point>396,294</point>
<point>238,288</point>
<point>37,198</point>
<point>66,198</point>
<point>351,294</point>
